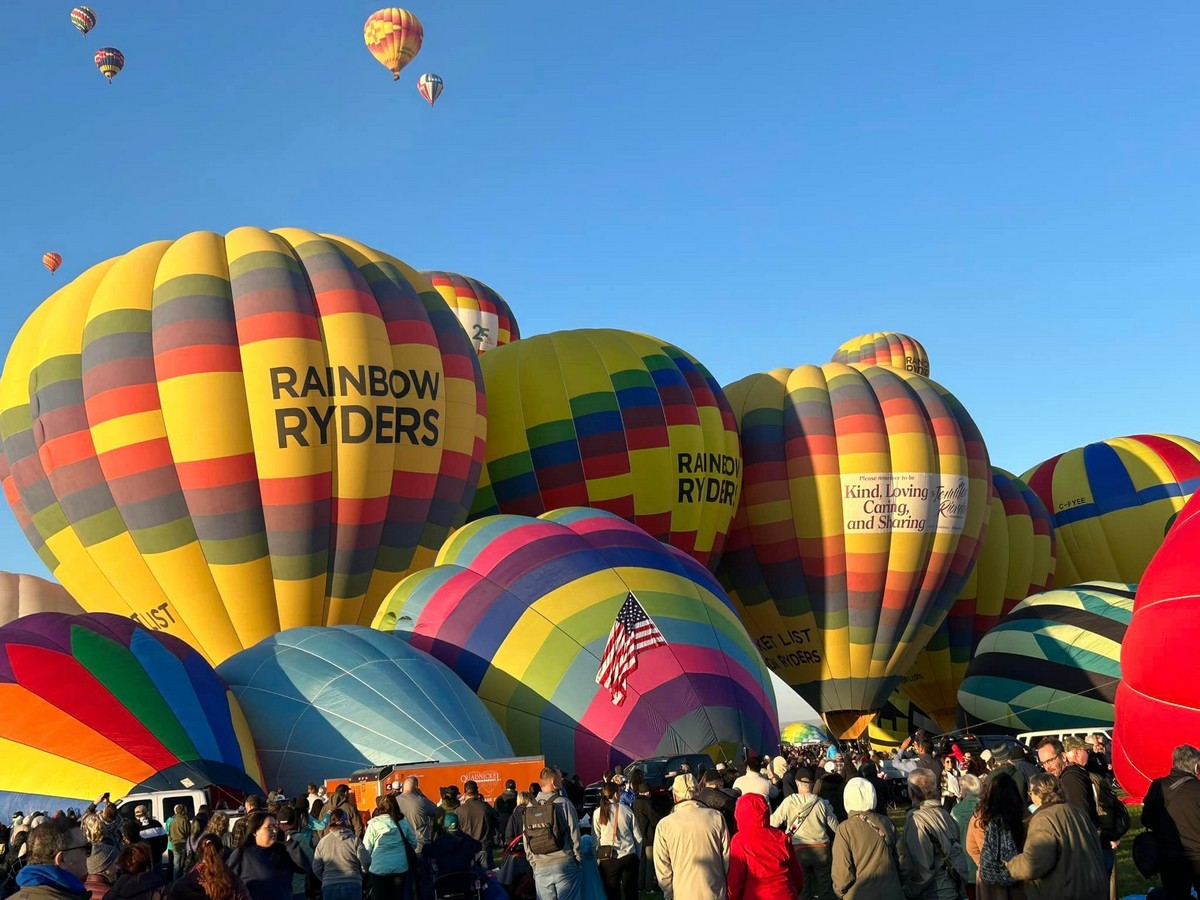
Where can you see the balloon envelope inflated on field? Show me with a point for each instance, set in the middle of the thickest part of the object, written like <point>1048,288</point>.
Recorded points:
<point>96,703</point>
<point>1016,559</point>
<point>1158,701</point>
<point>1111,502</point>
<point>524,610</point>
<point>885,348</point>
<point>1053,662</point>
<point>326,701</point>
<point>484,314</point>
<point>611,420</point>
<point>863,502</point>
<point>803,733</point>
<point>226,435</point>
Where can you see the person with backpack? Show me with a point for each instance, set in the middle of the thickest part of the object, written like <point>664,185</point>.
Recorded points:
<point>1172,813</point>
<point>1061,859</point>
<point>810,822</point>
<point>552,841</point>
<point>932,860</point>
<point>866,865</point>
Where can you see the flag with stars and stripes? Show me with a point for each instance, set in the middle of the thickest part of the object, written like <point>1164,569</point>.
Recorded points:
<point>632,633</point>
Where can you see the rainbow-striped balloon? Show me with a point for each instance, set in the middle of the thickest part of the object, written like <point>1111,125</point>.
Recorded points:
<point>885,348</point>
<point>484,314</point>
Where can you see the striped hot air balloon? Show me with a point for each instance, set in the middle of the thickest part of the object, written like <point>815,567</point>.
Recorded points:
<point>885,348</point>
<point>394,37</point>
<point>484,314</point>
<point>51,261</point>
<point>226,435</point>
<point>430,87</point>
<point>110,61</point>
<point>803,733</point>
<point>83,18</point>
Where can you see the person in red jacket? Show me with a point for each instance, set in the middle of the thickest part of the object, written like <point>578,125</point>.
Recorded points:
<point>762,865</point>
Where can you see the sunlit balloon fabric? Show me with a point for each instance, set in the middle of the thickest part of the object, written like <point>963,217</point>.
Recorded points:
<point>1053,662</point>
<point>522,609</point>
<point>611,420</point>
<point>226,435</point>
<point>394,37</point>
<point>803,733</point>
<point>110,61</point>
<point>885,348</point>
<point>322,702</point>
<point>896,720</point>
<point>1158,700</point>
<point>430,87</point>
<point>484,314</point>
<point>1111,501</point>
<point>51,261</point>
<point>24,595</point>
<point>83,18</point>
<point>863,500</point>
<point>1016,560</point>
<point>96,703</point>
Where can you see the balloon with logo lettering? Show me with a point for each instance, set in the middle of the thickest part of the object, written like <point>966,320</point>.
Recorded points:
<point>394,37</point>
<point>612,420</point>
<point>486,317</point>
<point>1015,560</point>
<point>96,703</point>
<point>1111,501</point>
<point>226,435</point>
<point>1158,700</point>
<point>526,612</point>
<point>326,700</point>
<point>896,720</point>
<point>863,501</point>
<point>1052,663</point>
<point>24,595</point>
<point>885,348</point>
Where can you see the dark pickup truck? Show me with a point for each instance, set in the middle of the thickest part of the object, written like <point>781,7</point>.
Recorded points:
<point>658,772</point>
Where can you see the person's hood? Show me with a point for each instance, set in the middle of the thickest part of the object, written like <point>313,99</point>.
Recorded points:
<point>751,812</point>
<point>50,876</point>
<point>135,885</point>
<point>859,795</point>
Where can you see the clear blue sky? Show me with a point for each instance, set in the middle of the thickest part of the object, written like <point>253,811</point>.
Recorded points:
<point>1015,184</point>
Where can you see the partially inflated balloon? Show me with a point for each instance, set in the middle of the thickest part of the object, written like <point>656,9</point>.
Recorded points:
<point>96,703</point>
<point>83,18</point>
<point>1158,700</point>
<point>898,718</point>
<point>394,37</point>
<point>616,421</point>
<point>1016,560</point>
<point>863,501</point>
<point>803,733</point>
<point>24,595</point>
<point>51,261</point>
<point>227,435</point>
<point>110,61</point>
<point>486,317</point>
<point>1052,663</point>
<point>885,348</point>
<point>430,87</point>
<point>522,609</point>
<point>1111,501</point>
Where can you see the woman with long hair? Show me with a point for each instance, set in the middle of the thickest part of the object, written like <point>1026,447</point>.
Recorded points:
<point>209,878</point>
<point>218,825</point>
<point>267,858</point>
<point>995,834</point>
<point>618,842</point>
<point>1062,858</point>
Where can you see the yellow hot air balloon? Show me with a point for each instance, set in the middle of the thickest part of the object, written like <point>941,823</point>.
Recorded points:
<point>394,37</point>
<point>885,348</point>
<point>226,435</point>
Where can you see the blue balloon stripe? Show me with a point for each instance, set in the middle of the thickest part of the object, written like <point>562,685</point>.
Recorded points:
<point>169,676</point>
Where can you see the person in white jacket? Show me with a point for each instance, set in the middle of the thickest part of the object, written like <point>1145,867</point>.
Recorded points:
<point>618,844</point>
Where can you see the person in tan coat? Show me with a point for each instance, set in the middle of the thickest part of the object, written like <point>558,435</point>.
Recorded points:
<point>1062,859</point>
<point>865,864</point>
<point>691,847</point>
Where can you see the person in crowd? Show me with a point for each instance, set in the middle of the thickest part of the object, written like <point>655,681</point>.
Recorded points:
<point>477,819</point>
<point>341,862</point>
<point>218,826</point>
<point>810,822</point>
<point>691,846</point>
<point>343,799</point>
<point>140,878</point>
<point>254,803</point>
<point>832,788</point>
<point>102,870</point>
<point>714,795</point>
<point>312,796</point>
<point>454,852</point>
<point>57,856</point>
<point>388,840</point>
<point>998,827</point>
<point>151,831</point>
<point>969,787</point>
<point>449,802</point>
<point>266,859</point>
<point>1172,813</point>
<point>1074,781</point>
<point>422,815</point>
<point>1003,765</point>
<point>1098,761</point>
<point>751,781</point>
<point>950,788</point>
<point>648,816</point>
<point>930,852</point>
<point>179,829</point>
<point>868,770</point>
<point>209,878</point>
<point>762,865</point>
<point>505,804</point>
<point>617,844</point>
<point>515,827</point>
<point>552,840</point>
<point>866,865</point>
<point>574,790</point>
<point>1061,859</point>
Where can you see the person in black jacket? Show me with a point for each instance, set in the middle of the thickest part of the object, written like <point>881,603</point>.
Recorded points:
<point>647,818</point>
<point>267,859</point>
<point>1172,812</point>
<point>832,787</point>
<point>869,772</point>
<point>714,795</point>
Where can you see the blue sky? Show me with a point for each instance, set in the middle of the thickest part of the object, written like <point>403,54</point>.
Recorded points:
<point>1015,185</point>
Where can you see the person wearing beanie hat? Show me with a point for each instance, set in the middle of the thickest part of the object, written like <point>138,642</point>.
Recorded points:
<point>101,870</point>
<point>865,865</point>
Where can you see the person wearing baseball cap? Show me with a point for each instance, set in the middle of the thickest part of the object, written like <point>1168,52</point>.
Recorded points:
<point>691,847</point>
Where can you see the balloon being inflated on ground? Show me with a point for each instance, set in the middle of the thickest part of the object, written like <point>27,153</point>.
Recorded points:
<point>226,435</point>
<point>524,609</point>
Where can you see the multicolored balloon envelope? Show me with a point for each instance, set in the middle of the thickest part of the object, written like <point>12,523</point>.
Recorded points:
<point>394,37</point>
<point>1111,502</point>
<point>885,348</point>
<point>1158,701</point>
<point>803,733</point>
<point>484,314</point>
<point>524,610</point>
<point>611,420</point>
<point>863,502</point>
<point>1016,560</point>
<point>97,703</point>
<point>226,435</point>
<point>323,702</point>
<point>1052,663</point>
<point>24,595</point>
<point>898,719</point>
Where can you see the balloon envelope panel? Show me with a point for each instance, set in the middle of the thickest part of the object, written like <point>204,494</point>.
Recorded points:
<point>485,315</point>
<point>24,595</point>
<point>803,733</point>
<point>522,610</point>
<point>885,348</point>
<point>1053,662</point>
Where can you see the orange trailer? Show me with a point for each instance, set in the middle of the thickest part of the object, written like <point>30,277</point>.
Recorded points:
<point>368,784</point>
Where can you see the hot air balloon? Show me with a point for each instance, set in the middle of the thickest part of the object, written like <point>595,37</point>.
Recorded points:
<point>241,433</point>
<point>885,348</point>
<point>1052,663</point>
<point>1111,501</point>
<point>24,595</point>
<point>616,421</point>
<point>430,87</point>
<point>524,610</point>
<point>97,703</point>
<point>331,700</point>
<point>110,61</point>
<point>487,318</point>
<point>1015,560</point>
<point>897,719</point>
<point>51,261</point>
<point>803,733</point>
<point>1158,700</point>
<point>394,37</point>
<point>83,18</point>
<point>863,501</point>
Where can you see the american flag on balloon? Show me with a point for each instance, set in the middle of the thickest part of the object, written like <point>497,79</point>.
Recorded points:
<point>632,633</point>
